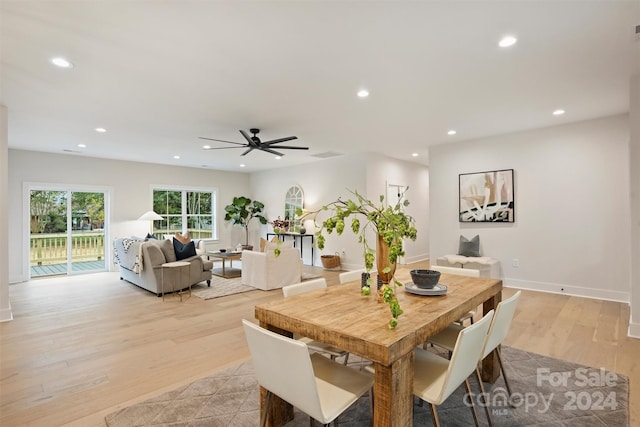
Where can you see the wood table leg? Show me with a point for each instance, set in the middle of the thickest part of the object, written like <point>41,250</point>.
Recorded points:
<point>490,367</point>
<point>393,393</point>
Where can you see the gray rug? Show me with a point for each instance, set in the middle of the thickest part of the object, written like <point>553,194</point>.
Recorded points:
<point>220,287</point>
<point>588,397</point>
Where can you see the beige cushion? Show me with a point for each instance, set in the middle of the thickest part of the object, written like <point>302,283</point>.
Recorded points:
<point>264,242</point>
<point>166,246</point>
<point>282,245</point>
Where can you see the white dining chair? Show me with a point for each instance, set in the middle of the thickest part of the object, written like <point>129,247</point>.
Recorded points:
<point>436,378</point>
<point>469,272</point>
<point>350,276</point>
<point>497,334</point>
<point>319,387</point>
<point>308,286</point>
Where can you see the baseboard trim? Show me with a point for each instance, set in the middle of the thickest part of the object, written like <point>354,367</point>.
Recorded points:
<point>634,330</point>
<point>6,314</point>
<point>577,291</point>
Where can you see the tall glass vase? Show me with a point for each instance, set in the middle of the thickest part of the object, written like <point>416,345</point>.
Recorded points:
<point>382,261</point>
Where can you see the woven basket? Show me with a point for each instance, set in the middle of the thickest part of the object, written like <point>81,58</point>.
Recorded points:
<point>330,261</point>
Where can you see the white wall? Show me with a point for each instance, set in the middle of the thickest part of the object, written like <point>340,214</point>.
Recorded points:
<point>130,185</point>
<point>571,227</point>
<point>325,181</point>
<point>5,304</point>
<point>382,171</point>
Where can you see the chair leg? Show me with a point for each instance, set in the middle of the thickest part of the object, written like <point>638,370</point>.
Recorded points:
<point>371,407</point>
<point>473,406</point>
<point>346,359</point>
<point>484,397</point>
<point>504,374</point>
<point>267,407</point>
<point>434,415</point>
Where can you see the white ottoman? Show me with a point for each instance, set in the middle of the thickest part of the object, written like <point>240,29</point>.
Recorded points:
<point>488,267</point>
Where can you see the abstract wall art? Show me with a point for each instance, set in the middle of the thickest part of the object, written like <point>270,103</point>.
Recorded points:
<point>487,196</point>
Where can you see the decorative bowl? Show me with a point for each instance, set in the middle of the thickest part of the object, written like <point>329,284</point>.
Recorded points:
<point>223,251</point>
<point>425,279</point>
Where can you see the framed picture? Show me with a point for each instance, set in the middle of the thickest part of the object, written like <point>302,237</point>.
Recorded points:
<point>487,196</point>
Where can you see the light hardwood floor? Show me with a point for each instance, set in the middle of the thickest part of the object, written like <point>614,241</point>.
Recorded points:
<point>83,346</point>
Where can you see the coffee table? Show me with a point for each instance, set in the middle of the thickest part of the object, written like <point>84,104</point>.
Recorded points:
<point>226,272</point>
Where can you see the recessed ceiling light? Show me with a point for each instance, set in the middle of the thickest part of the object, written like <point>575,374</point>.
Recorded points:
<point>61,62</point>
<point>176,157</point>
<point>414,154</point>
<point>558,112</point>
<point>101,130</point>
<point>507,41</point>
<point>206,147</point>
<point>242,165</point>
<point>82,145</point>
<point>278,157</point>
<point>451,132</point>
<point>363,93</point>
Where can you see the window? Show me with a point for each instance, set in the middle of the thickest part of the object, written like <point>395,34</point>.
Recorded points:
<point>185,210</point>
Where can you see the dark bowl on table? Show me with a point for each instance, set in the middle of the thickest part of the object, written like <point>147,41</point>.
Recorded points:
<point>425,279</point>
<point>223,251</point>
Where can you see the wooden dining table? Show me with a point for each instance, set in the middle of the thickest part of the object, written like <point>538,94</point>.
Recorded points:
<point>340,316</point>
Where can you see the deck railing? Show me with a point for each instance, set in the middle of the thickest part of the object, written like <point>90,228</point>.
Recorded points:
<point>46,249</point>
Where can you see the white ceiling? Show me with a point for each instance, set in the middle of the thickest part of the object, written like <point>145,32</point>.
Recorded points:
<point>157,75</point>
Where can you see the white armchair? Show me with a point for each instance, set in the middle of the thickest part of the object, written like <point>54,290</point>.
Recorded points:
<point>263,270</point>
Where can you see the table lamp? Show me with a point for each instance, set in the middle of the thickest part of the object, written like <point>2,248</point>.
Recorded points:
<point>150,216</point>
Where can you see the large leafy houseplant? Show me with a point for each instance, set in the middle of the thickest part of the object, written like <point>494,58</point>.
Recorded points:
<point>390,224</point>
<point>242,210</point>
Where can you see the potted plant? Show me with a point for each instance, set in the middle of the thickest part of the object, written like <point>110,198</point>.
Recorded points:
<point>241,211</point>
<point>391,225</point>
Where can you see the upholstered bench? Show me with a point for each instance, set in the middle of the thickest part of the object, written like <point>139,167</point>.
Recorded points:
<point>489,267</point>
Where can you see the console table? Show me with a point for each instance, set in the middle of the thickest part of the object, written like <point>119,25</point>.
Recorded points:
<point>296,237</point>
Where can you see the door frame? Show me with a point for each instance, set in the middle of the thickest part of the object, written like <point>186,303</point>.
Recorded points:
<point>27,187</point>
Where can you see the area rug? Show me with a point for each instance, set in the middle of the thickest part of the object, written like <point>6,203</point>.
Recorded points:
<point>220,287</point>
<point>546,392</point>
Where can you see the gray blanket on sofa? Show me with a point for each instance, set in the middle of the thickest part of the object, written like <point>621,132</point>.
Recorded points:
<point>128,254</point>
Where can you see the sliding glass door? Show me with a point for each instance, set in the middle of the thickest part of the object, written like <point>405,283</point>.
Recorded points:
<point>67,231</point>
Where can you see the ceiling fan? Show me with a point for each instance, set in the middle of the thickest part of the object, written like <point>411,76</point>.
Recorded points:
<point>254,143</point>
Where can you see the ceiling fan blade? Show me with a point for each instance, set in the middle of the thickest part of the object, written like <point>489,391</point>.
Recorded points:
<point>224,148</point>
<point>248,151</point>
<point>248,138</point>
<point>276,141</point>
<point>287,147</point>
<point>220,140</point>
<point>269,150</point>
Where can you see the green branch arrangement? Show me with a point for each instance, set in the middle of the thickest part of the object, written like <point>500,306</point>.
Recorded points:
<point>390,223</point>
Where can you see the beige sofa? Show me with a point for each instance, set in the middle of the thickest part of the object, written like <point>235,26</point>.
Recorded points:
<point>263,270</point>
<point>141,262</point>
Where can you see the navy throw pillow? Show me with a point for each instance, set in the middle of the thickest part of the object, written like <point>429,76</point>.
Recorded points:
<point>183,250</point>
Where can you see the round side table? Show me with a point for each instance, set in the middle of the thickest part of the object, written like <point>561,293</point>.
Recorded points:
<point>179,268</point>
